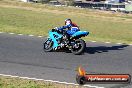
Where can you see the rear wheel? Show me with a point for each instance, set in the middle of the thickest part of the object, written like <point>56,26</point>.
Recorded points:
<point>78,47</point>
<point>48,45</point>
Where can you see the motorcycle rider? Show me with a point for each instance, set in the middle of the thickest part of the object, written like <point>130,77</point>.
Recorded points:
<point>71,29</point>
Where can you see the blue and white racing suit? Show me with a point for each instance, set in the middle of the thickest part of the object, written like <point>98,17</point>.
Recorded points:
<point>72,28</point>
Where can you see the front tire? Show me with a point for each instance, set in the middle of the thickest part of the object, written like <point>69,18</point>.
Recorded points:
<point>47,46</point>
<point>79,47</point>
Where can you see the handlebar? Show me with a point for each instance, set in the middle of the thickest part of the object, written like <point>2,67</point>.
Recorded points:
<point>59,31</point>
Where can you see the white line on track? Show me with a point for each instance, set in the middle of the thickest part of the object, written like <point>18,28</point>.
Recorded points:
<point>20,34</point>
<point>1,32</point>
<point>11,33</point>
<point>107,42</point>
<point>40,36</point>
<point>30,35</point>
<point>130,44</point>
<point>93,41</point>
<point>48,80</point>
<point>118,43</point>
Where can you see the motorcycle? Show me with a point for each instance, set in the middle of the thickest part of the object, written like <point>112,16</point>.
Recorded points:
<point>57,40</point>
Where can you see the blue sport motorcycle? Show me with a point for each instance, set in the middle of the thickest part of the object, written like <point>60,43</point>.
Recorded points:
<point>57,40</point>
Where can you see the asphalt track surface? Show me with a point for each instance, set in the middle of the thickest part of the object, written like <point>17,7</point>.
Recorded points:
<point>23,55</point>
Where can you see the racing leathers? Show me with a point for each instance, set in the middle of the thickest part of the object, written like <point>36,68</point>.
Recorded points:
<point>72,28</point>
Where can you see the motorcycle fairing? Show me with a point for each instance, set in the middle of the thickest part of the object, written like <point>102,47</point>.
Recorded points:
<point>55,36</point>
<point>79,33</point>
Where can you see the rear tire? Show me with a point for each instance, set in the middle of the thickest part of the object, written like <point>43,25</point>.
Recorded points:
<point>77,51</point>
<point>47,46</point>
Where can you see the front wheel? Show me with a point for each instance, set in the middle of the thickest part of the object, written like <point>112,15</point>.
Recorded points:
<point>48,45</point>
<point>78,47</point>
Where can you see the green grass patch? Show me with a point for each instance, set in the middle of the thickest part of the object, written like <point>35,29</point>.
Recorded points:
<point>8,82</point>
<point>37,19</point>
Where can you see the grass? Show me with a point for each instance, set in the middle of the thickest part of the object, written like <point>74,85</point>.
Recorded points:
<point>7,82</point>
<point>20,83</point>
<point>37,19</point>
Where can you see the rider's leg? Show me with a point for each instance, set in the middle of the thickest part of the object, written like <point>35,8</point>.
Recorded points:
<point>67,38</point>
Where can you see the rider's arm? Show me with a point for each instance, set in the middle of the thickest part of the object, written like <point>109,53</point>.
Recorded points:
<point>64,27</point>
